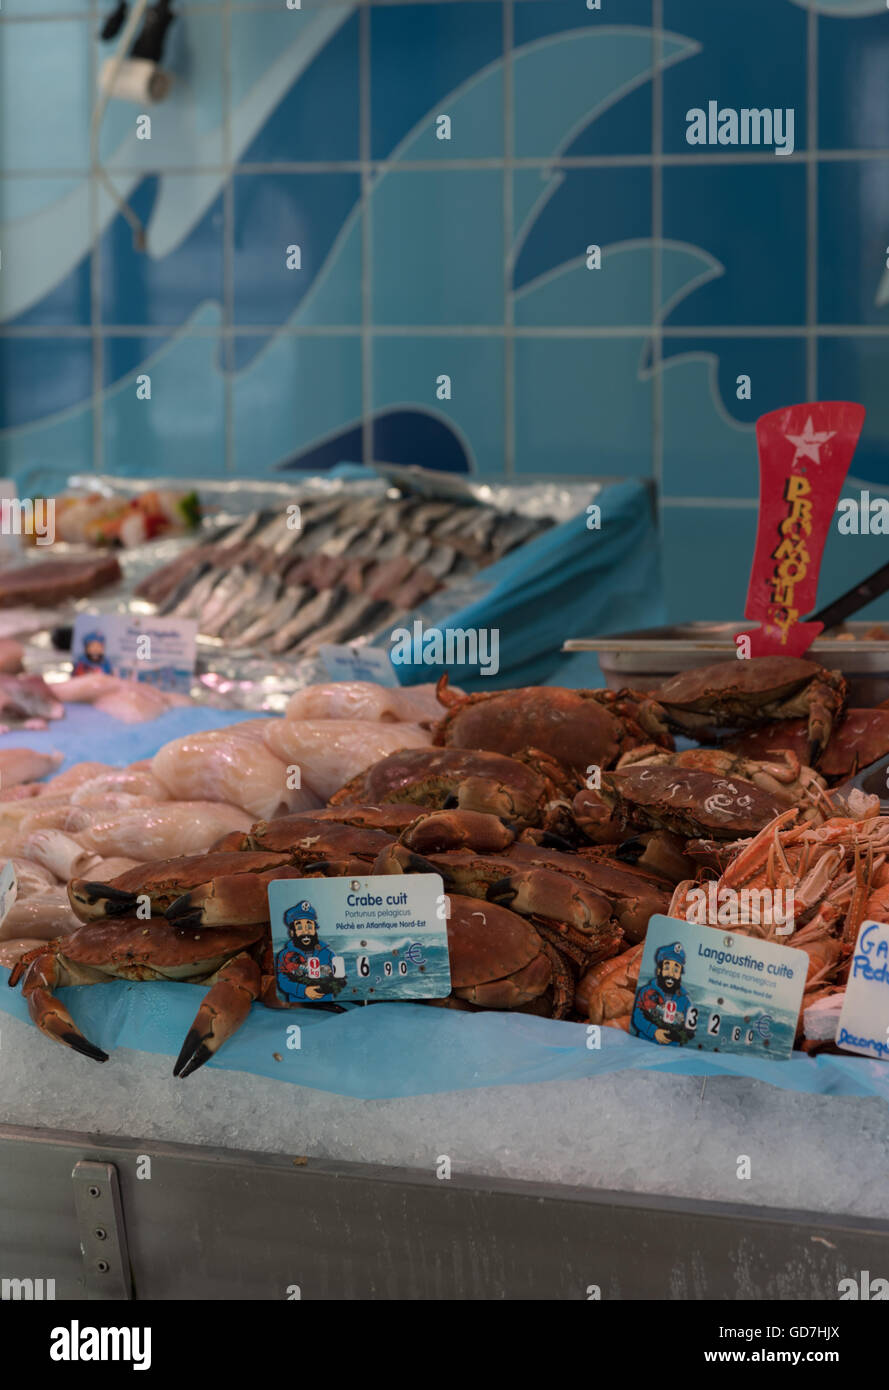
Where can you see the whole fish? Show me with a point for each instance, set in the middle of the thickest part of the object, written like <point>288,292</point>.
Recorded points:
<point>358,615</point>
<point>315,613</point>
<point>258,598</point>
<point>280,613</point>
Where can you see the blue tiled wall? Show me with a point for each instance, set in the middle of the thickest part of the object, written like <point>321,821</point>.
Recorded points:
<point>423,257</point>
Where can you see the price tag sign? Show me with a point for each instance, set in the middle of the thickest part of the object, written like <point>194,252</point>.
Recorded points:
<point>8,889</point>
<point>349,939</point>
<point>864,1019</point>
<point>160,651</point>
<point>358,664</point>
<point>717,991</point>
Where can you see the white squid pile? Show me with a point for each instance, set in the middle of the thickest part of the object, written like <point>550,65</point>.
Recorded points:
<point>95,820</point>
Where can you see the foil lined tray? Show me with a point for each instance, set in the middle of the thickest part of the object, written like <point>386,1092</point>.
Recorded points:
<point>248,678</point>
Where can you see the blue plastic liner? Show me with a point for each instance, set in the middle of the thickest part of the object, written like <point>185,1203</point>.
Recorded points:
<point>568,582</point>
<point>85,735</point>
<point>386,1051</point>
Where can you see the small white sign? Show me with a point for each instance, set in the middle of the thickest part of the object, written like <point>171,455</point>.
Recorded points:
<point>338,940</point>
<point>158,650</point>
<point>8,889</point>
<point>358,664</point>
<point>864,1021</point>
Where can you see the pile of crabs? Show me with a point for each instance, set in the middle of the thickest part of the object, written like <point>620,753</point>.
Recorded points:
<point>559,820</point>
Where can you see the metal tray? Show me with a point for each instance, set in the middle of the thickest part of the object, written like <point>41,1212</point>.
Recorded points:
<point>646,657</point>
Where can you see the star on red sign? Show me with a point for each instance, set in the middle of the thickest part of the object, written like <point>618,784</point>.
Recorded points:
<point>809,442</point>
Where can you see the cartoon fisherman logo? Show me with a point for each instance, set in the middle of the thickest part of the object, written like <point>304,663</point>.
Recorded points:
<point>663,1012</point>
<point>307,970</point>
<point>92,658</point>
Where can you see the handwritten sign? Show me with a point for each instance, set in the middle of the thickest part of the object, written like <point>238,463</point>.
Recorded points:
<point>864,1020</point>
<point>804,456</point>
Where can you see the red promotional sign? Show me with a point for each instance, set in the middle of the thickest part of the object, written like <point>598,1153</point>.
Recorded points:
<point>804,456</point>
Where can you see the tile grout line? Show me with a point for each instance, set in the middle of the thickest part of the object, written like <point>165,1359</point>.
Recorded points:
<point>657,232</point>
<point>448,330</point>
<point>714,503</point>
<point>257,168</point>
<point>812,207</point>
<point>509,448</point>
<point>48,14</point>
<point>228,252</point>
<point>366,173</point>
<point>97,340</point>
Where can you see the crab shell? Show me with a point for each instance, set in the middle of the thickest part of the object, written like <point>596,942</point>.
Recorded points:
<point>573,726</point>
<point>635,893</point>
<point>305,839</point>
<point>742,693</point>
<point>605,993</point>
<point>393,817</point>
<point>689,801</point>
<point>438,831</point>
<point>497,958</point>
<point>439,778</point>
<point>860,738</point>
<point>133,949</point>
<point>569,912</point>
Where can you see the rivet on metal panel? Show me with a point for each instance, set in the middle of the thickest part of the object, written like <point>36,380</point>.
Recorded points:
<point>103,1244</point>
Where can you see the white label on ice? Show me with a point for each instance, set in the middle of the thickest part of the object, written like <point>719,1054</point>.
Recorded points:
<point>864,1021</point>
<point>8,889</point>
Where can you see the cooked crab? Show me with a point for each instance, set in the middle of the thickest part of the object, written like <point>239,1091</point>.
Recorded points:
<point>754,691</point>
<point>522,793</point>
<point>782,775</point>
<point>235,962</point>
<point>578,728</point>
<point>860,738</point>
<point>688,801</point>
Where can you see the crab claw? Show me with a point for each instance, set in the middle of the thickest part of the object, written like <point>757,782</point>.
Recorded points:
<point>53,1019</point>
<point>229,900</point>
<point>224,1008</point>
<point>398,859</point>
<point>187,911</point>
<point>91,900</point>
<point>42,973</point>
<point>545,893</point>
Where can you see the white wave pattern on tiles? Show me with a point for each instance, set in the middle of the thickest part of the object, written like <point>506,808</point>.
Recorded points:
<point>46,246</point>
<point>585,72</point>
